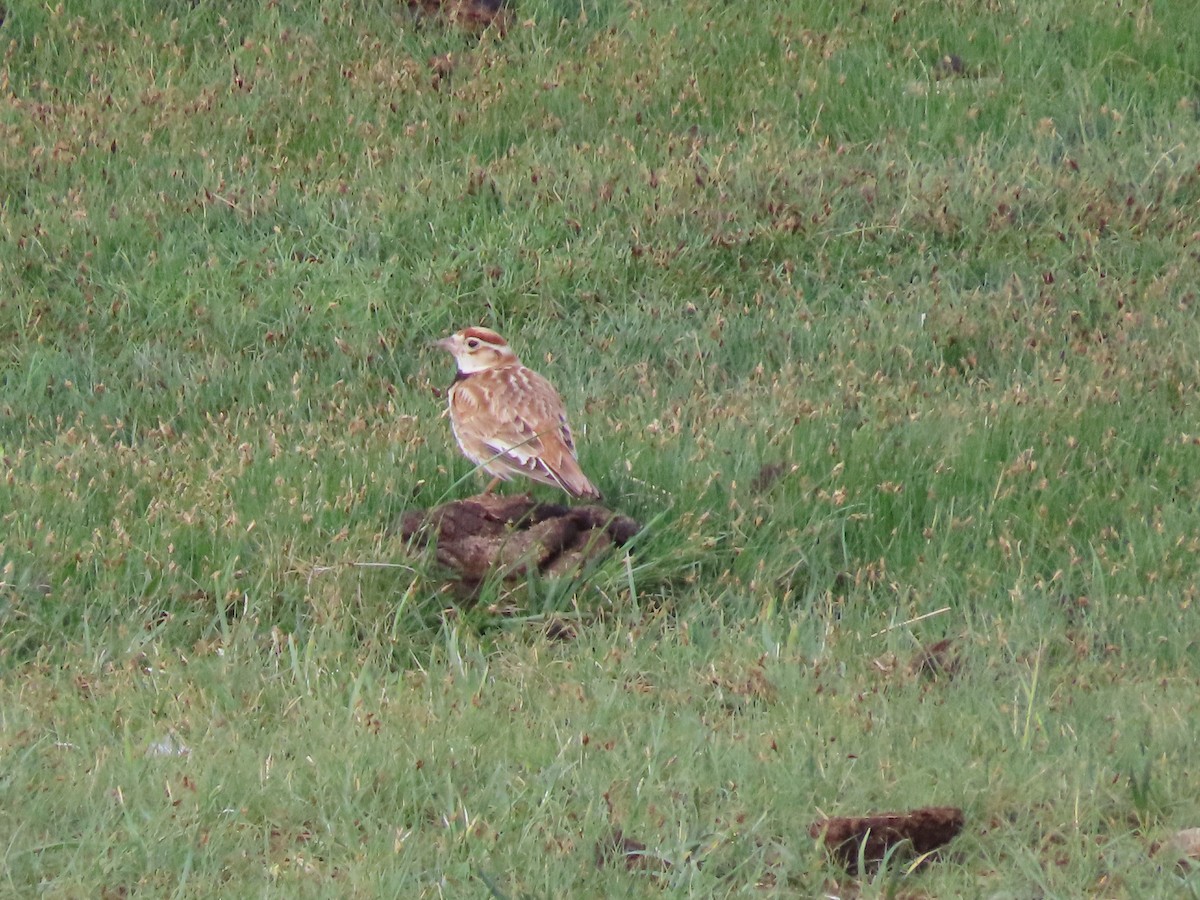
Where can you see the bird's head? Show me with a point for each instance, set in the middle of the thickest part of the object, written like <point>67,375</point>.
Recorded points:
<point>477,349</point>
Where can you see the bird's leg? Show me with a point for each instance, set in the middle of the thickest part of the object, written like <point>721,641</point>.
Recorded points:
<point>492,485</point>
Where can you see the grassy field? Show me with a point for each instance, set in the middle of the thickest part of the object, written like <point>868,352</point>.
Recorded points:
<point>882,317</point>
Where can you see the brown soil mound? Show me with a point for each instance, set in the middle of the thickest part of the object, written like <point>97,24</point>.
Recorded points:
<point>925,830</point>
<point>513,535</point>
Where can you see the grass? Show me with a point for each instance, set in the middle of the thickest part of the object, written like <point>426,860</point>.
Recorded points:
<point>883,317</point>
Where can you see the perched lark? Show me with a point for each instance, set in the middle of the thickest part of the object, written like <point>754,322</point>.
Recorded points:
<point>507,418</point>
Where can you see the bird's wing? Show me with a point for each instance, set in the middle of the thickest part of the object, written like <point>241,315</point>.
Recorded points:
<point>527,415</point>
<point>530,434</point>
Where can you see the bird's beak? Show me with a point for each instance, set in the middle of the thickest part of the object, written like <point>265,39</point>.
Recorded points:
<point>443,344</point>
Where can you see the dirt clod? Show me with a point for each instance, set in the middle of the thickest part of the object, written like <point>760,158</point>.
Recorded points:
<point>1183,847</point>
<point>936,660</point>
<point>617,848</point>
<point>767,476</point>
<point>471,16</point>
<point>924,830</point>
<point>949,65</point>
<point>513,536</point>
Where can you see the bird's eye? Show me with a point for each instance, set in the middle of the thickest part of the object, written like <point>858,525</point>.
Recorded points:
<point>473,344</point>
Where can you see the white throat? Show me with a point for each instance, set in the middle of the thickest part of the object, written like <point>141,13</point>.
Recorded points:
<point>469,366</point>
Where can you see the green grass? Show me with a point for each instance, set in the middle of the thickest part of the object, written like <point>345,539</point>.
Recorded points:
<point>950,305</point>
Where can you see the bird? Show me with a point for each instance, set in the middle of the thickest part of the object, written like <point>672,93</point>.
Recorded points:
<point>508,419</point>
